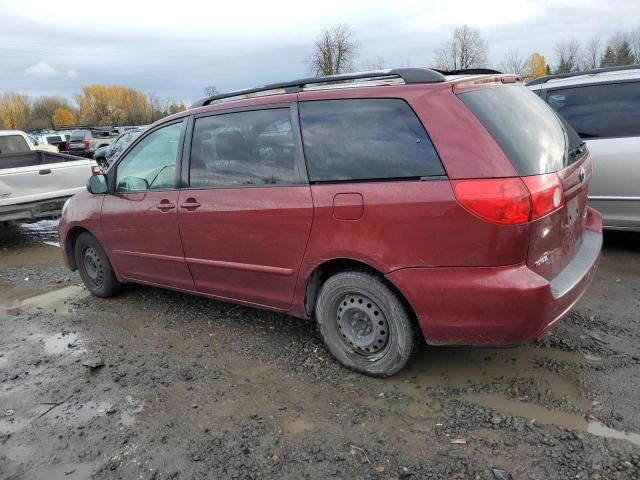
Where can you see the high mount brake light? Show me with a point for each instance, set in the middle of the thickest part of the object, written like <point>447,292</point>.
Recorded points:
<point>511,201</point>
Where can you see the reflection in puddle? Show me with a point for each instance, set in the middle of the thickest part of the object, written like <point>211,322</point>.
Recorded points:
<point>62,343</point>
<point>15,301</point>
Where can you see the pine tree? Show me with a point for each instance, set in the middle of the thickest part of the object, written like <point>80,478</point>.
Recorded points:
<point>624,55</point>
<point>609,58</point>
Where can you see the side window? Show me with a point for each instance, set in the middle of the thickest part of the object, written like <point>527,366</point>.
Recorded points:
<point>151,165</point>
<point>243,148</point>
<point>600,111</point>
<point>365,139</point>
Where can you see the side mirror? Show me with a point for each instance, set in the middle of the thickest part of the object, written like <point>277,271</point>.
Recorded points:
<point>97,184</point>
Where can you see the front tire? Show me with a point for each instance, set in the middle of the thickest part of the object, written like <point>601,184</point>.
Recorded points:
<point>364,324</point>
<point>94,267</point>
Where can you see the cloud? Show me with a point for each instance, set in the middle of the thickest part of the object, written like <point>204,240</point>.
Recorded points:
<point>73,73</point>
<point>42,69</point>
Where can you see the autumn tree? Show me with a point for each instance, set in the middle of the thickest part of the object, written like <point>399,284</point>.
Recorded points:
<point>113,105</point>
<point>42,111</point>
<point>62,117</point>
<point>335,51</point>
<point>465,49</point>
<point>512,62</point>
<point>536,66</point>
<point>14,111</point>
<point>567,56</point>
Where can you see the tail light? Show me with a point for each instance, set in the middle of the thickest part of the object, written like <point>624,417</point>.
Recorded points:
<point>511,201</point>
<point>86,144</point>
<point>547,194</point>
<point>68,145</point>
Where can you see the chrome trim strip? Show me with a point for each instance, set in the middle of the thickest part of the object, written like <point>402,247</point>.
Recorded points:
<point>154,256</point>
<point>608,197</point>
<point>240,266</point>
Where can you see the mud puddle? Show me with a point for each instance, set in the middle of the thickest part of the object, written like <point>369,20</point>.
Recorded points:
<point>16,300</point>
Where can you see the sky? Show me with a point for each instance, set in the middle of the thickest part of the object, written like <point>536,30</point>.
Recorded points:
<point>175,49</point>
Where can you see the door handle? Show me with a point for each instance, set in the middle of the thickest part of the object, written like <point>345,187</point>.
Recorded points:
<point>45,171</point>
<point>190,203</point>
<point>165,205</point>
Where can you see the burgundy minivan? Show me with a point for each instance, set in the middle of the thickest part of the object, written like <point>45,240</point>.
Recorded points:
<point>388,205</point>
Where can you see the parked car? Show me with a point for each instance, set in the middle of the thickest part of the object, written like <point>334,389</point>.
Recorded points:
<point>603,106</point>
<point>17,141</point>
<point>85,142</point>
<point>53,139</point>
<point>387,205</point>
<point>35,184</point>
<point>105,156</point>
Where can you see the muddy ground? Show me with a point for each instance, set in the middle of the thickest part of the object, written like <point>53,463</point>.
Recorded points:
<point>193,388</point>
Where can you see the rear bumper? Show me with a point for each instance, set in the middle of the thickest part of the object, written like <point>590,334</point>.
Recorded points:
<point>33,210</point>
<point>497,305</point>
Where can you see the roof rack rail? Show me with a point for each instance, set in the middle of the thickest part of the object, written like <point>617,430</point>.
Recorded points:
<point>409,75</point>
<point>469,71</point>
<point>593,71</point>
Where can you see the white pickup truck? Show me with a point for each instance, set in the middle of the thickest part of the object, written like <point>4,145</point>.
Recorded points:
<point>34,184</point>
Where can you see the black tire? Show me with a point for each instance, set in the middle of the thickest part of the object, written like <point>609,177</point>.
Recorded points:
<point>364,324</point>
<point>94,267</point>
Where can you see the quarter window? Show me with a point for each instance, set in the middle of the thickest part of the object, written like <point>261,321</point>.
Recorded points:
<point>365,140</point>
<point>151,164</point>
<point>243,148</point>
<point>600,111</point>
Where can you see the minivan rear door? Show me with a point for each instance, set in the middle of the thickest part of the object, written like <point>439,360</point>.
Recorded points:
<point>246,215</point>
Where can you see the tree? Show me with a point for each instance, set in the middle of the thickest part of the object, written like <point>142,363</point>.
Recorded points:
<point>567,54</point>
<point>334,51</point>
<point>62,117</point>
<point>624,55</point>
<point>609,57</point>
<point>634,41</point>
<point>536,66</point>
<point>14,111</point>
<point>512,62</point>
<point>113,105</point>
<point>42,111</point>
<point>466,49</point>
<point>211,90</point>
<point>591,54</point>
<point>379,63</point>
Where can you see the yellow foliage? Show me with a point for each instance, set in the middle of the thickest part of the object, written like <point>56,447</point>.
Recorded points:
<point>14,111</point>
<point>62,117</point>
<point>537,66</point>
<point>113,105</point>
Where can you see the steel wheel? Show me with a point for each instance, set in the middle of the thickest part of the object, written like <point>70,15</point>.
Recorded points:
<point>363,325</point>
<point>93,266</point>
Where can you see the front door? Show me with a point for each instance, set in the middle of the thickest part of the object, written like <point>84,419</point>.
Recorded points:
<point>246,216</point>
<point>140,220</point>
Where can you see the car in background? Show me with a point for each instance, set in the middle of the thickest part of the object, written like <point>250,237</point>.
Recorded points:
<point>603,106</point>
<point>391,206</point>
<point>105,156</point>
<point>17,141</point>
<point>54,139</point>
<point>85,142</point>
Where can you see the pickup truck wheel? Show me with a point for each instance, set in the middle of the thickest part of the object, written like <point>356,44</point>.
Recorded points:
<point>364,324</point>
<point>94,267</point>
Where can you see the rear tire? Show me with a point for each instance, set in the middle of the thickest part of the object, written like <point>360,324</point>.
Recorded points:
<point>364,324</point>
<point>94,267</point>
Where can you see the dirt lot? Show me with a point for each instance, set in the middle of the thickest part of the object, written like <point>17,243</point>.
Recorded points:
<point>193,388</point>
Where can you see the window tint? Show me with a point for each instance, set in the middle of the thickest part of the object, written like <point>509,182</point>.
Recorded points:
<point>596,111</point>
<point>151,164</point>
<point>365,139</point>
<point>244,148</point>
<point>13,144</point>
<point>527,130</point>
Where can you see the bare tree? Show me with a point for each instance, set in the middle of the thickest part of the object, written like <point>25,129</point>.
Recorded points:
<point>634,41</point>
<point>466,49</point>
<point>211,90</point>
<point>567,55</point>
<point>379,63</point>
<point>334,51</point>
<point>512,62</point>
<point>592,53</point>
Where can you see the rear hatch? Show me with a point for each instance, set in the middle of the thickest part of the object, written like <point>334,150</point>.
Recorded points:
<point>553,164</point>
<point>78,142</point>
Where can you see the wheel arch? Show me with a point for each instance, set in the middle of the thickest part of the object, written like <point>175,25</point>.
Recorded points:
<point>328,268</point>
<point>70,244</point>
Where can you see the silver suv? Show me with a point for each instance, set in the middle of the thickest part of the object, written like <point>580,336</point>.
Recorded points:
<point>603,106</point>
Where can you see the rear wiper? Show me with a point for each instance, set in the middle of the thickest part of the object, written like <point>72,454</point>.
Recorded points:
<point>587,135</point>
<point>577,150</point>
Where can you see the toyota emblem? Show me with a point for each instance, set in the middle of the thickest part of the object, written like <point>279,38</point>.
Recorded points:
<point>581,174</point>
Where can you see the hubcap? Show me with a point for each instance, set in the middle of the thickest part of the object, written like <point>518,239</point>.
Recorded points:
<point>362,324</point>
<point>93,266</point>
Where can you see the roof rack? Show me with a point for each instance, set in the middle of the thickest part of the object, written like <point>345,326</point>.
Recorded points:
<point>469,71</point>
<point>409,75</point>
<point>593,71</point>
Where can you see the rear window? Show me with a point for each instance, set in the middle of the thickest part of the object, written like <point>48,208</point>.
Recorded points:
<point>600,111</point>
<point>13,144</point>
<point>530,134</point>
<point>365,140</point>
<point>54,139</point>
<point>75,136</point>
